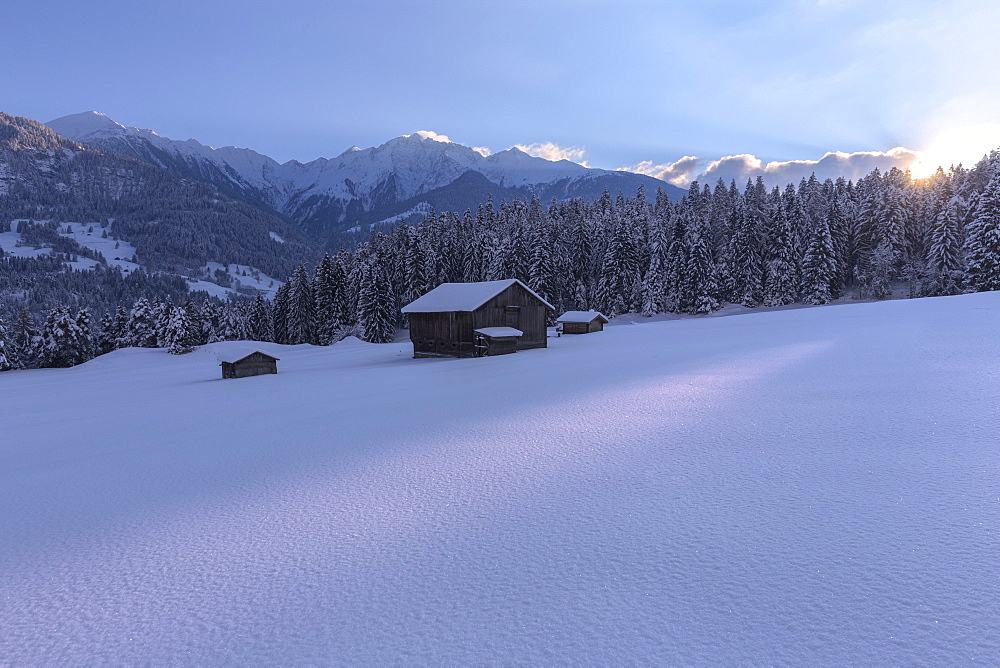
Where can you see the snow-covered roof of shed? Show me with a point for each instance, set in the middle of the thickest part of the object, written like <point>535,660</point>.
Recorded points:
<point>463,296</point>
<point>581,316</point>
<point>495,332</point>
<point>236,353</point>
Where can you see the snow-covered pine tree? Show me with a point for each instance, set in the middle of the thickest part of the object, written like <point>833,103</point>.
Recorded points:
<point>819,265</point>
<point>81,344</point>
<point>55,344</point>
<point>376,305</point>
<point>162,313</point>
<point>781,281</point>
<point>301,308</point>
<point>24,337</point>
<point>944,254</point>
<point>107,334</point>
<point>141,327</point>
<point>982,247</point>
<point>743,261</point>
<point>211,322</point>
<point>193,336</point>
<point>699,288</point>
<point>327,293</point>
<point>279,314</point>
<point>120,327</point>
<point>542,270</point>
<point>7,360</point>
<point>259,320</point>
<point>177,331</point>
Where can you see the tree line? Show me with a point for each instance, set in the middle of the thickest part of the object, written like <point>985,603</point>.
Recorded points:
<point>812,242</point>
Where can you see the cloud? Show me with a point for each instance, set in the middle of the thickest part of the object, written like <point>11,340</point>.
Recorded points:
<point>430,134</point>
<point>743,167</point>
<point>550,151</point>
<point>678,173</point>
<point>482,150</point>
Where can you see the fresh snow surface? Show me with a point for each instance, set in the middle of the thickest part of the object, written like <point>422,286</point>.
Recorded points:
<point>581,316</point>
<point>499,331</point>
<point>276,237</point>
<point>461,296</point>
<point>800,487</point>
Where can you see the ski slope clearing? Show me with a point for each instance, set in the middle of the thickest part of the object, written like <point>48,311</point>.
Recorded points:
<point>810,486</point>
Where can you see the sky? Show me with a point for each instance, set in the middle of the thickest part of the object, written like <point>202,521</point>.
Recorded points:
<point>677,90</point>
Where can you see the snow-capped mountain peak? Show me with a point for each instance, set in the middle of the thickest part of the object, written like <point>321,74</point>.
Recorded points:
<point>329,194</point>
<point>78,126</point>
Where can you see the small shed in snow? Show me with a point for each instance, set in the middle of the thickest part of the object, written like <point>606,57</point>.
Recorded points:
<point>497,340</point>
<point>581,322</point>
<point>243,362</point>
<point>444,321</point>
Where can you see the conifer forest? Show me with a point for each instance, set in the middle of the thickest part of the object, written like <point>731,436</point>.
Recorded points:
<point>884,236</point>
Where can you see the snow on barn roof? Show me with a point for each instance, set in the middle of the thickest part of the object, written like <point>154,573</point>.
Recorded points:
<point>236,353</point>
<point>463,296</point>
<point>581,316</point>
<point>495,332</point>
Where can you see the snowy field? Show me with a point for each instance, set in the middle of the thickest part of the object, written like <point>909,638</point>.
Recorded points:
<point>810,486</point>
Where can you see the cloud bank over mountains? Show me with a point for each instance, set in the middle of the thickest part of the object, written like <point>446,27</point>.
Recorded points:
<point>552,151</point>
<point>745,166</point>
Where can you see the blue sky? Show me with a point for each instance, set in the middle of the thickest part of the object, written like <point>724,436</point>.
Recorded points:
<point>626,83</point>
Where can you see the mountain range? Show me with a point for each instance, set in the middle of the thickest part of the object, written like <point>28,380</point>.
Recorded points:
<point>359,187</point>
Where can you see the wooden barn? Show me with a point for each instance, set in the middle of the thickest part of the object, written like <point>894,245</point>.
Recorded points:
<point>444,321</point>
<point>581,322</point>
<point>240,363</point>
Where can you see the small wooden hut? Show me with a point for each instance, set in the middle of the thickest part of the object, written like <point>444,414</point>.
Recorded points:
<point>444,321</point>
<point>497,340</point>
<point>581,322</point>
<point>240,363</point>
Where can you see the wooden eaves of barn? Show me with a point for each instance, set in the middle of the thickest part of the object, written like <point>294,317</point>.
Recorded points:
<point>444,321</point>
<point>240,363</point>
<point>581,322</point>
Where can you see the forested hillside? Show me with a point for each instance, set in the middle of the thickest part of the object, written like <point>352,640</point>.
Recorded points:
<point>176,225</point>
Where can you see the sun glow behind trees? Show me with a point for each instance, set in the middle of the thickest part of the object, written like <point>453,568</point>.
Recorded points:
<point>954,145</point>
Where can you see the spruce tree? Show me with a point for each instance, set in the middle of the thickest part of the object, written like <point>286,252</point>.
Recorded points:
<point>982,247</point>
<point>781,280</point>
<point>141,326</point>
<point>259,320</point>
<point>81,344</point>
<point>301,315</point>
<point>55,344</point>
<point>328,295</point>
<point>819,266</point>
<point>698,294</point>
<point>177,332</point>
<point>376,306</point>
<point>944,255</point>
<point>743,260</point>
<point>7,360</point>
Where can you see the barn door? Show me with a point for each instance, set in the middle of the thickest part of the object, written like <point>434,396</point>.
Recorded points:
<point>512,316</point>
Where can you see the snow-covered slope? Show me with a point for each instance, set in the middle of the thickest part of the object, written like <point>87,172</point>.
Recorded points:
<point>358,186</point>
<point>811,486</point>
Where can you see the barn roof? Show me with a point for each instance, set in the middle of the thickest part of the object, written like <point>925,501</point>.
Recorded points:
<point>463,296</point>
<point>495,332</point>
<point>239,353</point>
<point>581,316</point>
